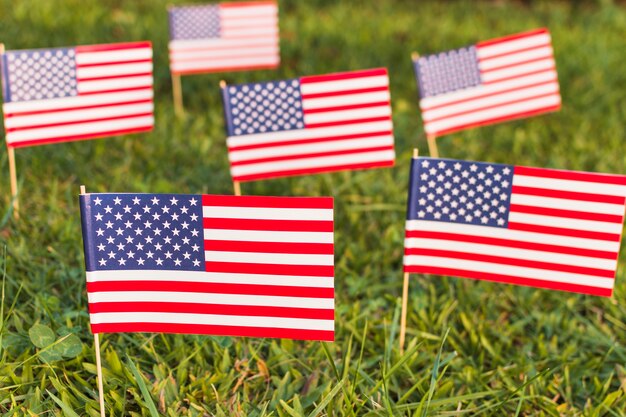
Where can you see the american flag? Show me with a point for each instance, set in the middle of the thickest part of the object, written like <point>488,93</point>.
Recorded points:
<point>537,227</point>
<point>84,92</point>
<point>490,82</point>
<point>309,124</point>
<point>224,37</point>
<point>210,264</point>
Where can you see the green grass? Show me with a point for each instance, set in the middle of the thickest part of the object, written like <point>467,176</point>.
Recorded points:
<point>474,348</point>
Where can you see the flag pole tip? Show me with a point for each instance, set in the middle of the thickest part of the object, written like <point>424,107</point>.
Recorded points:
<point>415,56</point>
<point>82,189</point>
<point>416,153</point>
<point>222,84</point>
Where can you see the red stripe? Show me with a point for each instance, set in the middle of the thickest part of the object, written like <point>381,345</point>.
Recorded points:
<point>501,260</point>
<point>102,64</point>
<point>274,41</point>
<point>493,106</point>
<point>508,279</point>
<point>489,95</point>
<point>307,171</point>
<point>344,92</point>
<point>571,214</point>
<point>113,77</point>
<point>271,269</point>
<point>95,135</point>
<point>77,122</point>
<point>499,80</point>
<point>217,57</point>
<point>119,90</point>
<point>516,64</point>
<point>571,175</point>
<point>517,51</point>
<point>511,244</point>
<point>210,288</point>
<point>235,5</point>
<point>496,120</point>
<point>225,69</point>
<point>613,237</point>
<point>113,46</point>
<point>566,195</point>
<point>270,225</point>
<point>271,202</point>
<point>348,122</point>
<point>58,109</point>
<point>221,309</point>
<point>311,155</point>
<point>513,37</point>
<point>346,107</point>
<point>215,330</point>
<point>307,141</point>
<point>343,76</point>
<point>269,247</point>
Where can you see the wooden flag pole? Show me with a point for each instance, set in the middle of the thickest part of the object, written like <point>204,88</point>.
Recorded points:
<point>236,184</point>
<point>177,91</point>
<point>405,293</point>
<point>96,343</point>
<point>15,203</point>
<point>432,146</point>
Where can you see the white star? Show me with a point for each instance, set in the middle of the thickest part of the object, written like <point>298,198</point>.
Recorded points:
<point>148,239</point>
<point>186,240</point>
<point>168,254</point>
<point>137,216</point>
<point>506,171</point>
<point>166,224</point>
<point>140,261</point>
<point>139,246</point>
<point>98,217</point>
<point>177,262</point>
<point>176,232</point>
<point>421,213</point>
<point>111,255</point>
<point>425,164</point>
<point>119,231</point>
<point>484,220</point>
<point>187,255</point>
<point>109,224</point>
<point>97,201</point>
<point>167,239</point>
<point>136,200</point>
<point>155,200</point>
<point>505,184</point>
<point>196,262</point>
<point>127,209</point>
<point>497,177</point>
<point>108,209</point>
<point>493,214</point>
<point>101,247</point>
<point>100,232</point>
<point>129,239</point>
<point>138,231</point>
<point>146,209</point>
<point>159,261</point>
<point>195,248</point>
<point>441,165</point>
<point>423,189</point>
<point>433,171</point>
<point>500,222</point>
<point>158,246</point>
<point>473,167</point>
<point>481,175</point>
<point>165,209</point>
<point>437,215</point>
<point>183,210</point>
<point>130,254</point>
<point>176,246</point>
<point>193,201</point>
<point>157,231</point>
<point>120,246</point>
<point>174,216</point>
<point>122,261</point>
<point>149,254</point>
<point>495,202</point>
<point>502,209</point>
<point>103,262</point>
<point>489,169</point>
<point>117,200</point>
<point>488,182</point>
<point>468,218</point>
<point>194,233</point>
<point>194,217</point>
<point>147,224</point>
<point>156,216</point>
<point>128,224</point>
<point>110,240</point>
<point>118,216</point>
<point>457,166</point>
<point>174,201</point>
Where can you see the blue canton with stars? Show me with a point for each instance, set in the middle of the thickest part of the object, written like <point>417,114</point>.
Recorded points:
<point>39,74</point>
<point>462,192</point>
<point>143,231</point>
<point>263,107</point>
<point>195,22</point>
<point>447,71</point>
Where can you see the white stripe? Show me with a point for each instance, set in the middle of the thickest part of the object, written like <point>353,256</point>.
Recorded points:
<point>78,101</point>
<point>515,253</point>
<point>516,271</point>
<point>344,85</point>
<point>266,213</point>
<point>114,84</point>
<point>225,63</point>
<point>118,55</point>
<point>209,298</point>
<point>179,46</point>
<point>319,162</point>
<point>566,204</point>
<point>472,92</point>
<point>339,145</point>
<point>314,133</point>
<point>489,114</point>
<point>80,129</point>
<point>517,58</point>
<point>245,32</point>
<point>344,115</point>
<point>214,277</point>
<point>513,45</point>
<point>496,232</point>
<point>509,72</point>
<point>114,70</point>
<point>213,319</point>
<point>77,115</point>
<point>570,185</point>
<point>320,103</point>
<point>248,11</point>
<point>224,53</point>
<point>269,258</point>
<point>565,223</point>
<point>269,20</point>
<point>265,236</point>
<point>490,101</point>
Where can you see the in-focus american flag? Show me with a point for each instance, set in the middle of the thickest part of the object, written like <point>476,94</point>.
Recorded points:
<point>224,37</point>
<point>207,264</point>
<point>308,125</point>
<point>490,82</point>
<point>84,92</point>
<point>537,227</point>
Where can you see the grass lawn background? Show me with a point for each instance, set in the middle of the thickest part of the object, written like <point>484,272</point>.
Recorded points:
<point>508,351</point>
